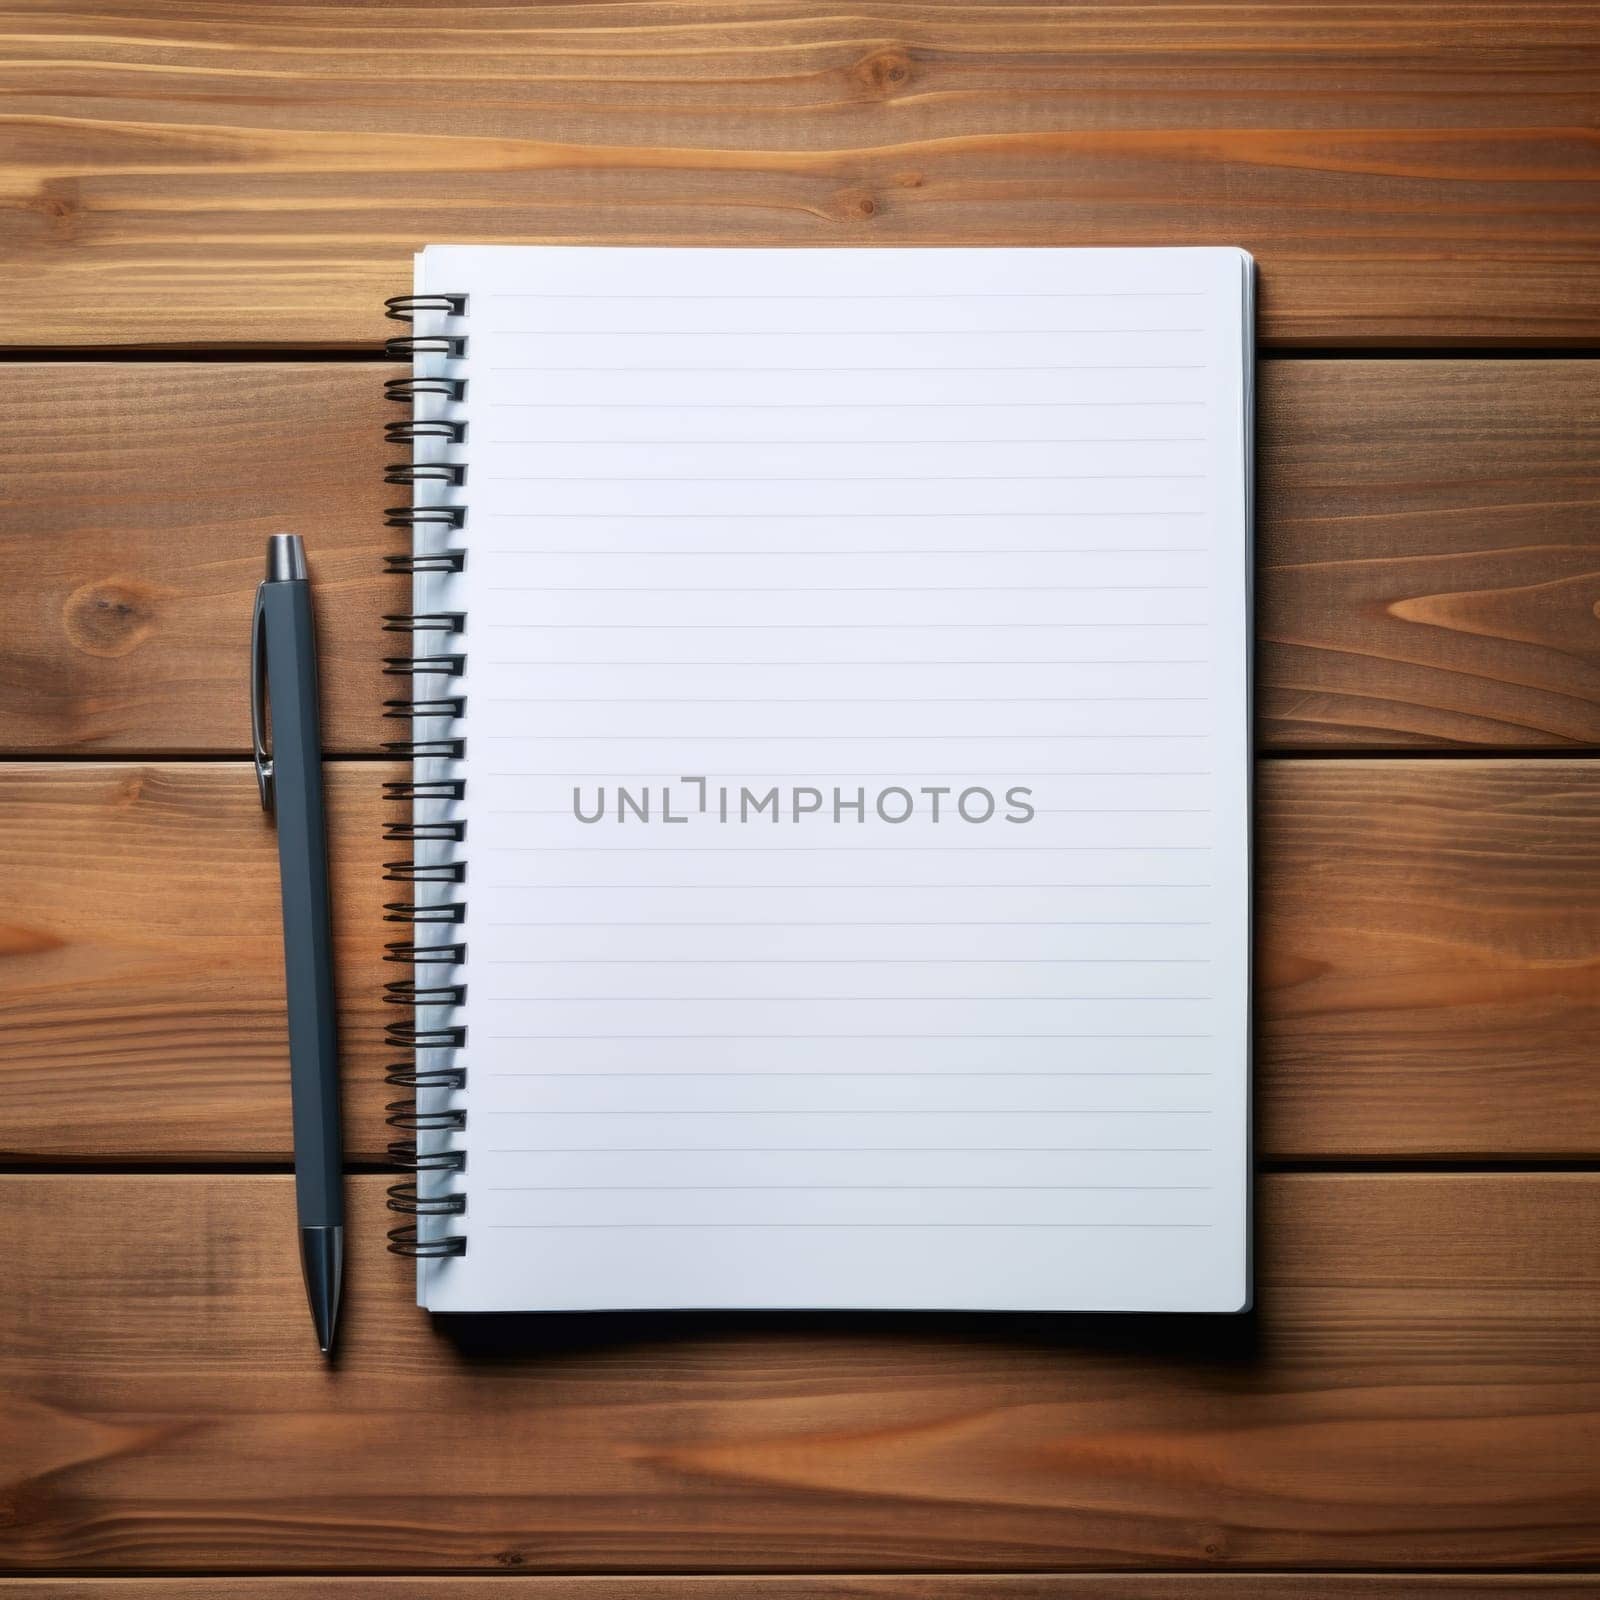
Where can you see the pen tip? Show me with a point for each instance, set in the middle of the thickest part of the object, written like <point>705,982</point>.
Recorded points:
<point>322,1262</point>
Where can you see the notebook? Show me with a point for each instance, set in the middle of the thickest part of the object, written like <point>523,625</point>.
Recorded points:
<point>828,869</point>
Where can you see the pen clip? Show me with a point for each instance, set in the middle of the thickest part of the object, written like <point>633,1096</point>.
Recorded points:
<point>258,699</point>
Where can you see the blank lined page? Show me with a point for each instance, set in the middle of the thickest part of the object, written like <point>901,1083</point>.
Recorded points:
<point>857,777</point>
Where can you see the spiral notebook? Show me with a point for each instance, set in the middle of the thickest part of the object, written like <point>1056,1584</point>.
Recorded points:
<point>828,879</point>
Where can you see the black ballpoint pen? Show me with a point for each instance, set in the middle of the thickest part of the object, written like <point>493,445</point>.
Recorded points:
<point>283,675</point>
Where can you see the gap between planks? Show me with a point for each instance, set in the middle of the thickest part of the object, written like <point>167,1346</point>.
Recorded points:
<point>372,355</point>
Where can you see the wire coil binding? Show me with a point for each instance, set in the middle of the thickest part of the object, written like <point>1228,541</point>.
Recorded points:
<point>424,871</point>
<point>425,517</point>
<point>411,710</point>
<point>403,1153</point>
<point>428,1041</point>
<point>406,349</point>
<point>434,428</point>
<point>429,789</point>
<point>448,666</point>
<point>443,832</point>
<point>404,390</point>
<point>428,472</point>
<point>403,1197</point>
<point>403,307</point>
<point>408,992</point>
<point>425,622</point>
<point>405,952</point>
<point>424,911</point>
<point>403,1114</point>
<point>425,749</point>
<point>432,561</point>
<point>408,1036</point>
<point>402,1076</point>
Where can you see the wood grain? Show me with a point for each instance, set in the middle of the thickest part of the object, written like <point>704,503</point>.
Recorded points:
<point>745,1586</point>
<point>1429,567</point>
<point>1428,556</point>
<point>1426,968</point>
<point>1419,1387</point>
<point>1427,958</point>
<point>142,497</point>
<point>143,1008</point>
<point>260,175</point>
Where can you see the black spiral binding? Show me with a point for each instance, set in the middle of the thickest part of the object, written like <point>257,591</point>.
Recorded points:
<point>431,674</point>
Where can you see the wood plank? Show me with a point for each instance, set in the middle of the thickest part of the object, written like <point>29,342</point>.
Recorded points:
<point>1429,939</point>
<point>259,176</point>
<point>1419,1387</point>
<point>1427,950</point>
<point>746,1586</point>
<point>1428,561</point>
<point>144,495</point>
<point>144,1008</point>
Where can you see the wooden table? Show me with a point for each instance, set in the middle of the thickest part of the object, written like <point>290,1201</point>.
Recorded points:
<point>205,204</point>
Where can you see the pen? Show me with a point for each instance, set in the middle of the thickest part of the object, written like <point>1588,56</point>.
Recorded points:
<point>283,676</point>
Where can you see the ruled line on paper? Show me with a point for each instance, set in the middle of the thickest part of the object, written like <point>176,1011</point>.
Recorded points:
<point>854,1077</point>
<point>853,772</point>
<point>696,442</point>
<point>1079,550</point>
<point>836,661</point>
<point>621,1039</point>
<point>848,1188</point>
<point>831,405</point>
<point>789,627</point>
<point>861,588</point>
<point>849,961</point>
<point>812,516</point>
<point>847,477</point>
<point>877,888</point>
<point>765,369</point>
<point>1043,811</point>
<point>835,738</point>
<point>929,1226</point>
<point>491,922</point>
<point>897,295</point>
<point>811,333</point>
<point>847,700</point>
<point>854,1149</point>
<point>830,849</point>
<point>810,999</point>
